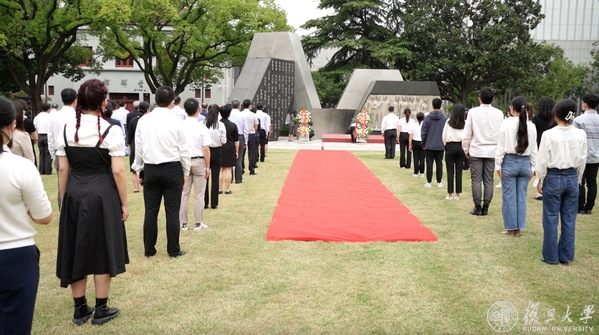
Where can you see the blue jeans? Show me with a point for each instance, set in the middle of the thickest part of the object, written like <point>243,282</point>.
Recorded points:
<point>560,198</point>
<point>516,174</point>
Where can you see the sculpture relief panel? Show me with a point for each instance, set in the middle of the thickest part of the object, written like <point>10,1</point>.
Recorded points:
<point>377,106</point>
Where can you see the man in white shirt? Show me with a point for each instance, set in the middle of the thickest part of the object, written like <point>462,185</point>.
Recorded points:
<point>589,122</point>
<point>481,133</point>
<point>59,119</point>
<point>389,127</point>
<point>252,139</point>
<point>177,110</point>
<point>264,131</point>
<point>161,153</point>
<point>43,122</point>
<point>199,148</point>
<point>238,119</point>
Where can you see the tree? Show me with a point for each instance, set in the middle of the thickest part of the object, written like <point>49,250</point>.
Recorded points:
<point>38,38</point>
<point>176,42</point>
<point>330,86</point>
<point>466,44</point>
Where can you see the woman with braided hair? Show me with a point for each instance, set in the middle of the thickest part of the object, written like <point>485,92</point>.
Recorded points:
<point>92,183</point>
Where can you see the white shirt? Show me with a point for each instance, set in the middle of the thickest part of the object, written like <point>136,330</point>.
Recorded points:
<point>482,131</point>
<point>121,119</point>
<point>406,127</point>
<point>88,136</point>
<point>589,122</point>
<point>237,118</point>
<point>179,112</point>
<point>250,122</point>
<point>562,148</point>
<point>417,131</point>
<point>264,120</point>
<point>218,136</point>
<point>451,134</point>
<point>508,141</point>
<point>160,138</point>
<point>390,122</point>
<point>22,191</point>
<point>197,136</point>
<point>42,123</point>
<point>59,119</point>
<point>122,115</point>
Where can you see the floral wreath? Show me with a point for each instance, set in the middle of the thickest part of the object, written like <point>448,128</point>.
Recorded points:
<point>362,121</point>
<point>304,122</point>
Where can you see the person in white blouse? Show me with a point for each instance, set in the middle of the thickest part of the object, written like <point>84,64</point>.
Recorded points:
<point>453,134</point>
<point>560,166</point>
<point>22,197</point>
<point>515,159</point>
<point>389,127</point>
<point>416,147</point>
<point>42,122</point>
<point>218,136</point>
<point>406,123</point>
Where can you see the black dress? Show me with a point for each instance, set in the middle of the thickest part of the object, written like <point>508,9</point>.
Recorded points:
<point>91,235</point>
<point>229,155</point>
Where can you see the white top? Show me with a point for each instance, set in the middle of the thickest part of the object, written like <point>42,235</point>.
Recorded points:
<point>264,120</point>
<point>59,119</point>
<point>22,191</point>
<point>417,131</point>
<point>197,136</point>
<point>160,138</point>
<point>390,122</point>
<point>237,118</point>
<point>482,131</point>
<point>589,122</point>
<point>562,148</point>
<point>218,136</point>
<point>42,123</point>
<point>88,136</point>
<point>406,127</point>
<point>179,112</point>
<point>508,141</point>
<point>251,120</point>
<point>121,115</point>
<point>451,134</point>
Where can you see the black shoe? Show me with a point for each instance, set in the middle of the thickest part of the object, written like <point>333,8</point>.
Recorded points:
<point>253,173</point>
<point>104,314</point>
<point>539,198</point>
<point>177,254</point>
<point>544,261</point>
<point>564,262</point>
<point>149,254</point>
<point>484,210</point>
<point>220,192</point>
<point>581,211</point>
<point>476,211</point>
<point>82,314</point>
<point>587,212</point>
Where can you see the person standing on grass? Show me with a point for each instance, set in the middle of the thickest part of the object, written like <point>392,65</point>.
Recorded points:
<point>416,147</point>
<point>432,142</point>
<point>238,119</point>
<point>480,143</point>
<point>229,150</point>
<point>252,123</point>
<point>515,160</point>
<point>543,120</point>
<point>22,197</point>
<point>453,133</point>
<point>406,124</point>
<point>93,185</point>
<point>141,110</point>
<point>20,144</point>
<point>161,153</point>
<point>389,126</point>
<point>42,123</point>
<point>218,136</point>
<point>560,166</point>
<point>264,130</point>
<point>589,122</point>
<point>198,145</point>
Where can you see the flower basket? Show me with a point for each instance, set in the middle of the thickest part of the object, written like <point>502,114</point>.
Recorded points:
<point>362,129</point>
<point>304,124</point>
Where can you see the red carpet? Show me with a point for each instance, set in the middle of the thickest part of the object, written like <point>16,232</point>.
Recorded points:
<point>333,196</point>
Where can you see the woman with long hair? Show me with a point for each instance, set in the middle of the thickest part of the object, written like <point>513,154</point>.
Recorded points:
<point>229,150</point>
<point>218,136</point>
<point>406,125</point>
<point>515,159</point>
<point>560,167</point>
<point>22,197</point>
<point>21,141</point>
<point>91,233</point>
<point>453,134</point>
<point>416,147</point>
<point>543,120</point>
<point>142,108</point>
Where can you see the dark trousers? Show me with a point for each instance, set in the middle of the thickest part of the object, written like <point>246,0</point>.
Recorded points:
<point>239,161</point>
<point>45,158</point>
<point>454,163</point>
<point>405,156</point>
<point>252,151</point>
<point>162,180</point>
<point>263,143</point>
<point>19,279</point>
<point>390,136</point>
<point>215,162</point>
<point>589,178</point>
<point>437,156</point>
<point>419,155</point>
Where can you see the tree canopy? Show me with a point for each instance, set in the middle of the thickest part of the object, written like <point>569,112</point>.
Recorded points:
<point>180,42</point>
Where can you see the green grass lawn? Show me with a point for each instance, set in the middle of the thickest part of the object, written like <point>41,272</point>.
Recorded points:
<point>232,281</point>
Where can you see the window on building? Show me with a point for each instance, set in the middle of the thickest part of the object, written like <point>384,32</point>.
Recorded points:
<point>198,93</point>
<point>86,62</point>
<point>128,62</point>
<point>51,90</point>
<point>208,93</point>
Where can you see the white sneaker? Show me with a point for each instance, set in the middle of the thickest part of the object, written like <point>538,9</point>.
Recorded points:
<point>421,175</point>
<point>456,197</point>
<point>184,227</point>
<point>415,175</point>
<point>200,227</point>
<point>427,185</point>
<point>439,184</point>
<point>449,197</point>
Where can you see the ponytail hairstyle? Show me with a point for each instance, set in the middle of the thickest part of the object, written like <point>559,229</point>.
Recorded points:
<point>212,117</point>
<point>519,104</point>
<point>457,120</point>
<point>530,108</point>
<point>7,117</point>
<point>407,112</point>
<point>143,107</point>
<point>564,110</point>
<point>90,97</point>
<point>420,117</point>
